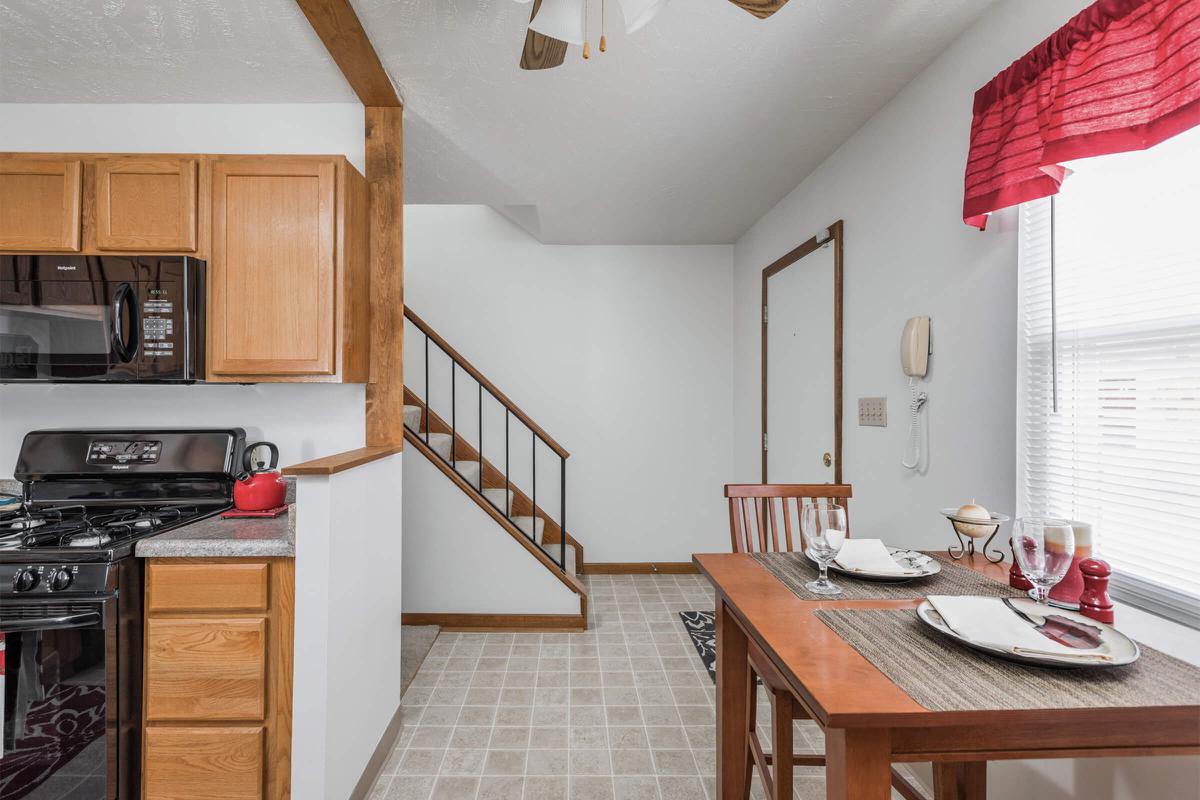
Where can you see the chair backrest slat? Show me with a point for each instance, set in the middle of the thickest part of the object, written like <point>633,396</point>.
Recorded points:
<point>770,501</point>
<point>762,498</point>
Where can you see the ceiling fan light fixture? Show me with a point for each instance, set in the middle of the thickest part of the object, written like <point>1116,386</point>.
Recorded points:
<point>561,19</point>
<point>639,12</point>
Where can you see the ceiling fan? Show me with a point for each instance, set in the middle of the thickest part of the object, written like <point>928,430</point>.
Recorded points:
<point>553,24</point>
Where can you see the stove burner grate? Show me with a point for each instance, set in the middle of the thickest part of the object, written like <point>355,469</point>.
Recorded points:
<point>73,526</point>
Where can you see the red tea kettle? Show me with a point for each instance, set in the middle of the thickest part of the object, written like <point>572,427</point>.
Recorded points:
<point>261,487</point>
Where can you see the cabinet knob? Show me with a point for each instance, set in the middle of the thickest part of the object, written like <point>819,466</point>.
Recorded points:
<point>827,459</point>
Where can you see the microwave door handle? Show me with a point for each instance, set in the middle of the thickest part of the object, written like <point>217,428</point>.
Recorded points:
<point>125,297</point>
<point>85,619</point>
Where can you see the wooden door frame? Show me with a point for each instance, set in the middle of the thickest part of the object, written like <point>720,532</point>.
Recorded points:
<point>836,237</point>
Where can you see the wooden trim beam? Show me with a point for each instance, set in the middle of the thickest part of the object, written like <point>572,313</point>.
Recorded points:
<point>340,30</point>
<point>385,175</point>
<point>498,622</point>
<point>331,465</point>
<point>641,568</point>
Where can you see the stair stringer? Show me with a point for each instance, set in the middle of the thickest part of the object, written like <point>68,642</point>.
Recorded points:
<point>457,572</point>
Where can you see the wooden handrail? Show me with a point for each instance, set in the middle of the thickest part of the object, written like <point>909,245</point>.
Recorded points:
<point>491,387</point>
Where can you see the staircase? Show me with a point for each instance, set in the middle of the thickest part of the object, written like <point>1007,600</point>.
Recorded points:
<point>508,494</point>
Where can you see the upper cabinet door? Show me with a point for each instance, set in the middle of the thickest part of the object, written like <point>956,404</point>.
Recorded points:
<point>40,204</point>
<point>272,274</point>
<point>146,204</point>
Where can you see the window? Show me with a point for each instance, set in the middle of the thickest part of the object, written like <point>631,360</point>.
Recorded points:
<point>1108,406</point>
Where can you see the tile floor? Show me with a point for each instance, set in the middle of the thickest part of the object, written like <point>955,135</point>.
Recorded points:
<point>622,711</point>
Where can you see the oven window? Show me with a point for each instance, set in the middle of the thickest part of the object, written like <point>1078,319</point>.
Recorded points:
<point>48,327</point>
<point>55,703</point>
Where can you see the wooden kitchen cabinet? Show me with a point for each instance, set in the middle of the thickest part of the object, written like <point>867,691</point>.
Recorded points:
<point>40,204</point>
<point>218,678</point>
<point>288,278</point>
<point>146,204</point>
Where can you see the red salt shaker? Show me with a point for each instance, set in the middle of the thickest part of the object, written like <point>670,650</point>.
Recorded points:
<point>1095,602</point>
<point>1016,578</point>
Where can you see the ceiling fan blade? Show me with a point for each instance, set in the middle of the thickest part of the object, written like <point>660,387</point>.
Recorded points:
<point>541,51</point>
<point>760,8</point>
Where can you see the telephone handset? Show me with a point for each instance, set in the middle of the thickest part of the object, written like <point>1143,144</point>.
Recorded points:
<point>914,347</point>
<point>914,360</point>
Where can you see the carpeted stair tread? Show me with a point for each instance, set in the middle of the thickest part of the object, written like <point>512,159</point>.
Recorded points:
<point>538,524</point>
<point>496,496</point>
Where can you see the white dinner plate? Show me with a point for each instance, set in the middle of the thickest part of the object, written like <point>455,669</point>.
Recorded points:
<point>905,558</point>
<point>1120,649</point>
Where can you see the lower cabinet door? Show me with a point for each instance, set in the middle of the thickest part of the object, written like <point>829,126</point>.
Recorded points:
<point>204,763</point>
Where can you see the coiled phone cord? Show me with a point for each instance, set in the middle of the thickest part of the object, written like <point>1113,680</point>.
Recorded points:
<point>913,445</point>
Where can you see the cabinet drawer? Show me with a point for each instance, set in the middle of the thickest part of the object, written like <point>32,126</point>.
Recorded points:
<point>203,763</point>
<point>206,669</point>
<point>146,204</point>
<point>187,586</point>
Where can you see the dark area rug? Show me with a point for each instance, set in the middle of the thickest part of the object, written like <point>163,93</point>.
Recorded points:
<point>701,626</point>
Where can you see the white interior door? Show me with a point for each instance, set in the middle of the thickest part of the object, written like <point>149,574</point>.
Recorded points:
<point>800,370</point>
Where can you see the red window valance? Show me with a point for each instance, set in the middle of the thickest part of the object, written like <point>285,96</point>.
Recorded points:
<point>1122,75</point>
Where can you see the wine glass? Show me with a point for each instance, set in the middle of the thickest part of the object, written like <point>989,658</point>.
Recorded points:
<point>824,529</point>
<point>1043,548</point>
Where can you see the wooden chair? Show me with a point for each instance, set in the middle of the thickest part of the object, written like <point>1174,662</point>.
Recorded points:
<point>755,515</point>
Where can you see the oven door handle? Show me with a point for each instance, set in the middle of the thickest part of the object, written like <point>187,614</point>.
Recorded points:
<point>84,619</point>
<point>125,297</point>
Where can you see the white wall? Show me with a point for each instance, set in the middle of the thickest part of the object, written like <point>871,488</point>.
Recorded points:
<point>305,421</point>
<point>898,185</point>
<point>621,353</point>
<point>346,685</point>
<point>458,560</point>
<point>292,129</point>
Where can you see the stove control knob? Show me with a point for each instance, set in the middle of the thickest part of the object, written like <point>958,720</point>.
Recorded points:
<point>60,580</point>
<point>25,580</point>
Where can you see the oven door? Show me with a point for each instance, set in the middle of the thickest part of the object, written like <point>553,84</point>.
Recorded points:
<point>60,710</point>
<point>69,318</point>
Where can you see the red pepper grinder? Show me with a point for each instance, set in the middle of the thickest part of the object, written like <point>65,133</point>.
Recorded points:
<point>1016,578</point>
<point>1095,602</point>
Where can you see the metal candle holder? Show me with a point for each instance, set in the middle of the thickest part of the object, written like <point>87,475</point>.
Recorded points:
<point>966,541</point>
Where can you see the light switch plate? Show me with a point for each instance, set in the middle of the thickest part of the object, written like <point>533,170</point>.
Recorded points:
<point>872,411</point>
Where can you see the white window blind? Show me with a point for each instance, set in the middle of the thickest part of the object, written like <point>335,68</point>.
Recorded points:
<point>1108,399</point>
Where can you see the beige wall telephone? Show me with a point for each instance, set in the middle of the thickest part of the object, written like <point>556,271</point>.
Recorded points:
<point>914,360</point>
<point>914,347</point>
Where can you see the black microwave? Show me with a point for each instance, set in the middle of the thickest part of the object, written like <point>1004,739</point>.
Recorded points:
<point>128,319</point>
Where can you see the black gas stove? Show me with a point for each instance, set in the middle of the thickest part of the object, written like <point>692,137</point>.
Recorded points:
<point>71,596</point>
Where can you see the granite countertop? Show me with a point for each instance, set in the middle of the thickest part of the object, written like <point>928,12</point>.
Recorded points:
<point>226,538</point>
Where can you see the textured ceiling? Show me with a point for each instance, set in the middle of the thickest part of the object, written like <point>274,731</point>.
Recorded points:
<point>685,132</point>
<point>163,51</point>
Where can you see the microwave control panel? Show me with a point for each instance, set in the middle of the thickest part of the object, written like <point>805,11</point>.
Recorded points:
<point>107,452</point>
<point>158,327</point>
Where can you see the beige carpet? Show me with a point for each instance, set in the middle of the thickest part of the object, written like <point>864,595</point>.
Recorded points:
<point>415,641</point>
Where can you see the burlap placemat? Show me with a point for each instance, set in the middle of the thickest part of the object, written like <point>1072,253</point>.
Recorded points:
<point>794,570</point>
<point>943,675</point>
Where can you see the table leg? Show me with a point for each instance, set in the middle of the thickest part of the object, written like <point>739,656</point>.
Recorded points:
<point>734,699</point>
<point>960,780</point>
<point>858,764</point>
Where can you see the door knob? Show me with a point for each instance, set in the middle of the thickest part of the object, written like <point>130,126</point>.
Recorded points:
<point>827,459</point>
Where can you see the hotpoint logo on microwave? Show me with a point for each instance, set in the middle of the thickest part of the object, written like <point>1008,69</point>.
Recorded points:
<point>67,267</point>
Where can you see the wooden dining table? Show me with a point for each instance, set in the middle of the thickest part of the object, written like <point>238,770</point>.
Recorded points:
<point>870,723</point>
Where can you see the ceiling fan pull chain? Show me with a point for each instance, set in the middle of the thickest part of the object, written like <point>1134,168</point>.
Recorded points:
<point>587,46</point>
<point>603,20</point>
